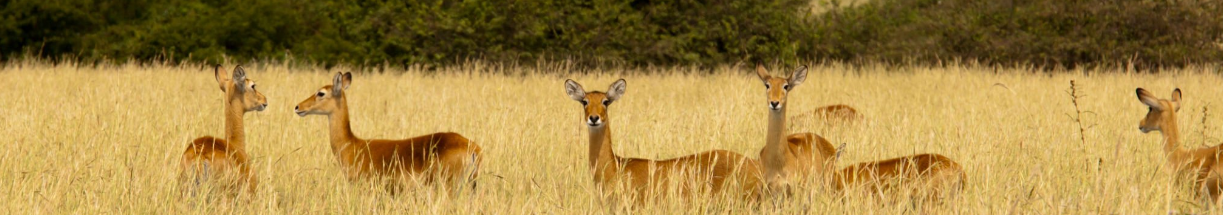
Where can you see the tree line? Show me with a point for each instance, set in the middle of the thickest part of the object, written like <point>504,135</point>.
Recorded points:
<point>1042,33</point>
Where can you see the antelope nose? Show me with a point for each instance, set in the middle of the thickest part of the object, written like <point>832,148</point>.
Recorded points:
<point>594,119</point>
<point>774,104</point>
<point>295,107</point>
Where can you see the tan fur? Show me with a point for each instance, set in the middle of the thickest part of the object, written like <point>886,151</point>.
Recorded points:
<point>1202,165</point>
<point>224,161</point>
<point>831,114</point>
<point>713,169</point>
<point>929,177</point>
<point>446,156</point>
<point>813,156</point>
<point>796,157</point>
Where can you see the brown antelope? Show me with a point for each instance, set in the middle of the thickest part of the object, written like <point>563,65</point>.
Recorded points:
<point>445,156</point>
<point>838,113</point>
<point>1200,164</point>
<point>715,169</point>
<point>793,157</point>
<point>928,177</point>
<point>225,161</point>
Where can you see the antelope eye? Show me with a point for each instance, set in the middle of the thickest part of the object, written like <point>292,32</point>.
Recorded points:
<point>787,87</point>
<point>252,86</point>
<point>766,86</point>
<point>606,102</point>
<point>321,94</point>
<point>584,102</point>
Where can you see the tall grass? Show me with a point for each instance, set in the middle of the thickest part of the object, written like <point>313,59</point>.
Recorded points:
<point>105,139</point>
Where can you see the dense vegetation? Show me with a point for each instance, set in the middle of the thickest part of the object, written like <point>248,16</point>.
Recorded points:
<point>640,32</point>
<point>1046,33</point>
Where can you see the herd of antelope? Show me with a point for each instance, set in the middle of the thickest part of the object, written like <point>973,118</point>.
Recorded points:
<point>787,161</point>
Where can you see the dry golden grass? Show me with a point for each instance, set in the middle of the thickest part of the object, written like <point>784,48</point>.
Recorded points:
<point>106,139</point>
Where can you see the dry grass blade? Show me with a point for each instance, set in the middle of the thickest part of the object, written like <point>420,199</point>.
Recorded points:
<point>101,139</point>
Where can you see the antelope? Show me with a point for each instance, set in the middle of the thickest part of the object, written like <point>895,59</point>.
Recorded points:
<point>224,161</point>
<point>793,157</point>
<point>1200,164</point>
<point>715,168</point>
<point>838,113</point>
<point>446,156</point>
<point>929,177</point>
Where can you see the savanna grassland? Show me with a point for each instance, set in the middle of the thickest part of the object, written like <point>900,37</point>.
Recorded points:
<point>107,139</point>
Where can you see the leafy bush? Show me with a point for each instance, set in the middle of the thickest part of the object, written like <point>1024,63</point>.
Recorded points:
<point>639,32</point>
<point>408,32</point>
<point>1047,33</point>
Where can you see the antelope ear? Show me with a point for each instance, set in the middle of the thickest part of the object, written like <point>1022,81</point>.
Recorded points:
<point>1176,99</point>
<point>220,74</point>
<point>1147,98</point>
<point>347,80</point>
<point>239,79</point>
<point>574,90</point>
<point>762,73</point>
<point>340,82</point>
<point>616,90</point>
<point>798,77</point>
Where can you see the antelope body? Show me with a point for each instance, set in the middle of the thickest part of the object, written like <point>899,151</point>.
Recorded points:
<point>712,169</point>
<point>793,157</point>
<point>224,162</point>
<point>838,113</point>
<point>799,156</point>
<point>928,177</point>
<point>1201,165</point>
<point>445,156</point>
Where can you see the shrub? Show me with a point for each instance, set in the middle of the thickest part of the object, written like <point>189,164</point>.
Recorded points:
<point>1047,33</point>
<point>409,31</point>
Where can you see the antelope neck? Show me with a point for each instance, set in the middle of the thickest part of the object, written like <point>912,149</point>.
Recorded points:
<point>1172,140</point>
<point>235,133</point>
<point>601,154</point>
<point>776,135</point>
<point>341,131</point>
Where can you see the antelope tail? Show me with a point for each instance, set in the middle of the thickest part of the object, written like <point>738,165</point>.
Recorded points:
<point>199,175</point>
<point>472,168</point>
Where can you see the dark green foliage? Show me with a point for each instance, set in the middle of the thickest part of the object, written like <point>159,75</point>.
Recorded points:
<point>405,32</point>
<point>598,32</point>
<point>50,27</point>
<point>1045,33</point>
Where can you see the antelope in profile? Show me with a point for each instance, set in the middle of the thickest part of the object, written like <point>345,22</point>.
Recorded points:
<point>928,177</point>
<point>1202,164</point>
<point>838,113</point>
<point>795,157</point>
<point>714,168</point>
<point>445,156</point>
<point>224,161</point>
